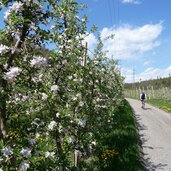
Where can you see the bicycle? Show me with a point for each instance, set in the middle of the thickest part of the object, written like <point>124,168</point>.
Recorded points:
<point>143,103</point>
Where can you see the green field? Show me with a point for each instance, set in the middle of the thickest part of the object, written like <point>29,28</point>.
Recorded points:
<point>161,103</point>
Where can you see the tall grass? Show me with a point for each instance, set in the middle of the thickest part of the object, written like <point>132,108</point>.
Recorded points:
<point>119,149</point>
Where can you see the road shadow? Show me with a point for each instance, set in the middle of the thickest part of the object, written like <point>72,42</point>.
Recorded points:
<point>147,164</point>
<point>150,166</point>
<point>146,108</point>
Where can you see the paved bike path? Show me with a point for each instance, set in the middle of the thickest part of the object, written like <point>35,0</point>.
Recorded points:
<point>155,134</point>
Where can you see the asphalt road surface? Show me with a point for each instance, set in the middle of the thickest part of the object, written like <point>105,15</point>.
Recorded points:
<point>154,127</point>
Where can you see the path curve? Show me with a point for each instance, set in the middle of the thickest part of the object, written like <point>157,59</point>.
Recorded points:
<point>155,134</point>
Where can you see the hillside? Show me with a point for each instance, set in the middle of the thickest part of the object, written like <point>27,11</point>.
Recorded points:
<point>155,83</point>
<point>155,89</point>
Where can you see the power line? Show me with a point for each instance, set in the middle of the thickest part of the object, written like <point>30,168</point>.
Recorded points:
<point>110,11</point>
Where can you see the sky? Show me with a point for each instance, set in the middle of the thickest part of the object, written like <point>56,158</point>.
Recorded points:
<point>142,35</point>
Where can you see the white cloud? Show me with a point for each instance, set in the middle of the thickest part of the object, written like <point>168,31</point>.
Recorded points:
<point>91,40</point>
<point>131,42</point>
<point>131,2</point>
<point>146,63</point>
<point>149,73</point>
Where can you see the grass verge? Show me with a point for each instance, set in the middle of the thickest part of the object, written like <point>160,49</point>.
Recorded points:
<point>161,103</point>
<point>119,149</point>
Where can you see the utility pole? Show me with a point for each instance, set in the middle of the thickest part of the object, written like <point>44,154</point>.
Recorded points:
<point>133,77</point>
<point>133,80</point>
<point>85,54</point>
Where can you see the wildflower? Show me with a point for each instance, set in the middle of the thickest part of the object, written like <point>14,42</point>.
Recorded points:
<point>49,154</point>
<point>38,61</point>
<point>54,88</point>
<point>26,152</point>
<point>24,166</point>
<point>12,73</point>
<point>109,153</point>
<point>3,49</point>
<point>52,125</point>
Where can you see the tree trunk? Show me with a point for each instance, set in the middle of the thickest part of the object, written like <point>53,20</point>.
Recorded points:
<point>3,133</point>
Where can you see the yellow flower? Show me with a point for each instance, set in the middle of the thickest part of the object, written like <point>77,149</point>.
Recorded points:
<point>109,153</point>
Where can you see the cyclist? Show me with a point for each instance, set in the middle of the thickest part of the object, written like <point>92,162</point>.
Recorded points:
<point>142,98</point>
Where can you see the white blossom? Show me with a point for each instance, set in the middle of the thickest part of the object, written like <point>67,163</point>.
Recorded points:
<point>38,61</point>
<point>24,166</point>
<point>44,96</point>
<point>78,95</point>
<point>7,152</point>
<point>74,98</point>
<point>26,152</point>
<point>71,139</point>
<point>1,169</point>
<point>57,114</point>
<point>93,142</point>
<point>54,88</point>
<point>61,15</point>
<point>17,6</point>
<point>7,14</point>
<point>70,77</point>
<point>27,2</point>
<point>77,17</point>
<point>37,79</point>
<point>49,154</point>
<point>52,28</point>
<point>12,73</point>
<point>82,123</point>
<point>3,49</point>
<point>33,27</point>
<point>37,122</point>
<point>1,159</point>
<point>83,19</point>
<point>81,103</point>
<point>32,142</point>
<point>52,125</point>
<point>25,98</point>
<point>64,62</point>
<point>37,135</point>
